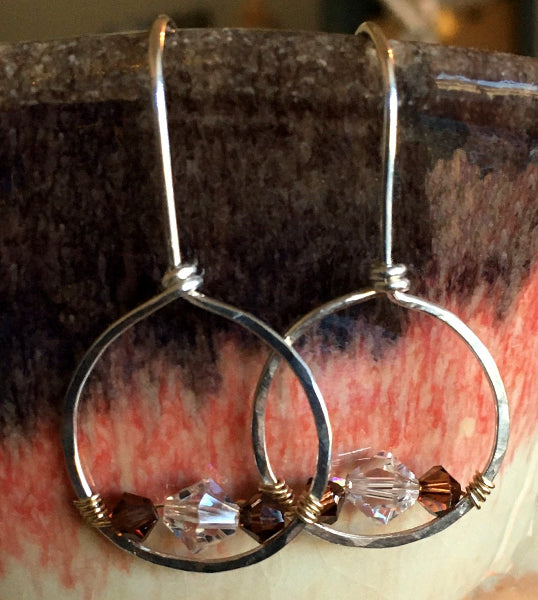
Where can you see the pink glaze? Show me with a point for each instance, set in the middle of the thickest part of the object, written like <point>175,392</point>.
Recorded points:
<point>155,439</point>
<point>509,588</point>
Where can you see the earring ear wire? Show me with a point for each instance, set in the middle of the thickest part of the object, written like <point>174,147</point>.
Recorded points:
<point>388,279</point>
<point>163,25</point>
<point>389,138</point>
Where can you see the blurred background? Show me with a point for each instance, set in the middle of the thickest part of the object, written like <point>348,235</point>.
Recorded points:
<point>504,25</point>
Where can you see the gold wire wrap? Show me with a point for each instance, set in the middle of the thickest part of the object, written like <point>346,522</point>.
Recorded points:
<point>308,509</point>
<point>93,511</point>
<point>479,489</point>
<point>280,492</point>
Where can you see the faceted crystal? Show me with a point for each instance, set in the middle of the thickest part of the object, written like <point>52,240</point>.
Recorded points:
<point>439,491</point>
<point>332,500</point>
<point>262,518</point>
<point>134,515</point>
<point>382,487</point>
<point>200,515</point>
<point>344,462</point>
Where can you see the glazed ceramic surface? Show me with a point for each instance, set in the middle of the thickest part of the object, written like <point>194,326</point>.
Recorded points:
<point>275,140</point>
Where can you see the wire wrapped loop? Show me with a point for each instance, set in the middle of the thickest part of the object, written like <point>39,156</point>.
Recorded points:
<point>93,511</point>
<point>185,275</point>
<point>479,489</point>
<point>308,509</point>
<point>279,492</point>
<point>389,278</point>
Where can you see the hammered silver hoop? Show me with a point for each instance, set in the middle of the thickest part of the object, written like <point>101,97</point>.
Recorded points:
<point>181,282</point>
<point>81,485</point>
<point>389,280</point>
<point>489,368</point>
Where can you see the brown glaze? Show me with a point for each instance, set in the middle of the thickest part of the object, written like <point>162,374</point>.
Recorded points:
<point>275,139</point>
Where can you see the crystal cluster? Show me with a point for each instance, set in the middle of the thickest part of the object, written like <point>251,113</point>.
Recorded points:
<point>382,488</point>
<point>202,514</point>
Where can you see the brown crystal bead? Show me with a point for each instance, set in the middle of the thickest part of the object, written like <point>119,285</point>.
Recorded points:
<point>439,491</point>
<point>134,515</point>
<point>262,518</point>
<point>331,502</point>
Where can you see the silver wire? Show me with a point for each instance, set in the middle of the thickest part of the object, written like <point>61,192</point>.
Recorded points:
<point>157,37</point>
<point>390,134</point>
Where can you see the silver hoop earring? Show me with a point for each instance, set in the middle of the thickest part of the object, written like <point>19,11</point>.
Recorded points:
<point>436,490</point>
<point>129,523</point>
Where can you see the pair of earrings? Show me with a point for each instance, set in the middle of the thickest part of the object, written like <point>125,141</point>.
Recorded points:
<point>202,513</point>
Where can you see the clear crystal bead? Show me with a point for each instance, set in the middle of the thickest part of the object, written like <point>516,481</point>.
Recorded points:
<point>201,514</point>
<point>382,487</point>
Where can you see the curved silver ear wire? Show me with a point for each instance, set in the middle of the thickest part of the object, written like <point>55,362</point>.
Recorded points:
<point>161,26</point>
<point>390,134</point>
<point>181,282</point>
<point>388,279</point>
<point>385,274</point>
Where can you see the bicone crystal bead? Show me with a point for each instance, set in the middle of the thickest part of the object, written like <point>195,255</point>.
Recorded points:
<point>134,516</point>
<point>439,491</point>
<point>331,501</point>
<point>201,514</point>
<point>382,487</point>
<point>262,518</point>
